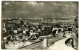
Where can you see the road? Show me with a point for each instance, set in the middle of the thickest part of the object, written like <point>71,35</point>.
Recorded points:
<point>60,45</point>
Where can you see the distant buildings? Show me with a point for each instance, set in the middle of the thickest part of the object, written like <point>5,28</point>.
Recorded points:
<point>18,22</point>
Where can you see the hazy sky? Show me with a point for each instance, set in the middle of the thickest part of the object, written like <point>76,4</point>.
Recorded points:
<point>36,9</point>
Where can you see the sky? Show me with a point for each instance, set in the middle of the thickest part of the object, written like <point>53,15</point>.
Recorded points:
<point>39,9</point>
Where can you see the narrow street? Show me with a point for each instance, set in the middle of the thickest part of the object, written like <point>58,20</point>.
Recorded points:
<point>60,45</point>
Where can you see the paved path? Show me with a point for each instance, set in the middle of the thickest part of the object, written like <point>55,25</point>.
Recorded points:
<point>60,45</point>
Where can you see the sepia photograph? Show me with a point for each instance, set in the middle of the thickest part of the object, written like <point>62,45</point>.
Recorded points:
<point>39,25</point>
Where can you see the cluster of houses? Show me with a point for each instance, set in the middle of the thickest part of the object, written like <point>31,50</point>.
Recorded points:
<point>32,29</point>
<point>17,24</point>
